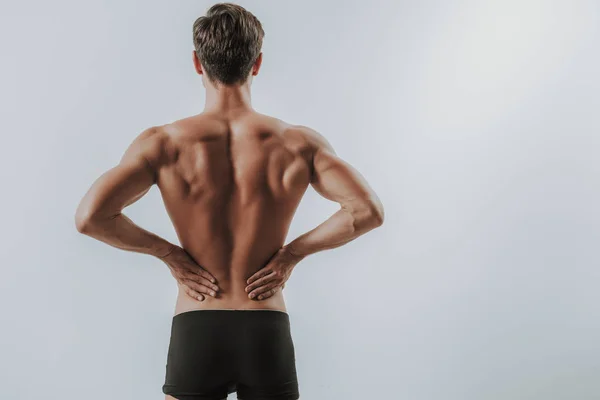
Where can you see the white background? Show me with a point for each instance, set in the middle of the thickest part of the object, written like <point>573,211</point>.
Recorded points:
<point>475,121</point>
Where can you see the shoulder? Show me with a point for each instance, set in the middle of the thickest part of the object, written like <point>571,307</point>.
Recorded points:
<point>313,139</point>
<point>151,144</point>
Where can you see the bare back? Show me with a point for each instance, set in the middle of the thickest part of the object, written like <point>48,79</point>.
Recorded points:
<point>231,186</point>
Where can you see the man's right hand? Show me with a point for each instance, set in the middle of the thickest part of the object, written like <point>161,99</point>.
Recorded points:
<point>195,280</point>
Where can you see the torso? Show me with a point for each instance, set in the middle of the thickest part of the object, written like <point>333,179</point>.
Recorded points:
<point>231,186</point>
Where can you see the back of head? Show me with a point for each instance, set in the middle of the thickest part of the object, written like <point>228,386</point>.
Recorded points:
<point>228,41</point>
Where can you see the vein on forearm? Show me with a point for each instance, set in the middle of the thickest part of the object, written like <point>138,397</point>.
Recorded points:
<point>340,228</point>
<point>121,232</point>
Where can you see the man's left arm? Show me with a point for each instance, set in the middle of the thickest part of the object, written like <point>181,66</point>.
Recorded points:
<point>100,213</point>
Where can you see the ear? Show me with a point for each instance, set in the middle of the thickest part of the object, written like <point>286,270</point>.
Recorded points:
<point>257,64</point>
<point>197,64</point>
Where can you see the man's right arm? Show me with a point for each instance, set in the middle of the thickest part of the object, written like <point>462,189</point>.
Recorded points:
<point>333,178</point>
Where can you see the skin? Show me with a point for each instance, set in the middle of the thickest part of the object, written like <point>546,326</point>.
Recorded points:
<point>231,180</point>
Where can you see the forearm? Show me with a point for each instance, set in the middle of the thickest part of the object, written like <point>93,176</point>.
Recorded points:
<point>119,231</point>
<point>342,227</point>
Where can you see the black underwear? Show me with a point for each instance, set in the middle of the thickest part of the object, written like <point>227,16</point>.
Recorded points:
<point>213,353</point>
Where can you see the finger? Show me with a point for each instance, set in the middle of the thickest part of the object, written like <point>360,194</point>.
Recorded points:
<point>202,281</point>
<point>260,282</point>
<point>204,273</point>
<point>182,275</point>
<point>259,274</point>
<point>263,289</point>
<point>268,293</point>
<point>199,288</point>
<point>193,294</point>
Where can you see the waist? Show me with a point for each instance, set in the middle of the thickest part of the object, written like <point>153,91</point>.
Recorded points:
<point>228,299</point>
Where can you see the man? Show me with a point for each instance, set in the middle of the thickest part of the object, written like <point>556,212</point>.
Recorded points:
<point>231,179</point>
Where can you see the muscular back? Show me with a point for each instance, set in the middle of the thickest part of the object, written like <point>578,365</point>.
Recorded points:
<point>231,182</point>
<point>231,186</point>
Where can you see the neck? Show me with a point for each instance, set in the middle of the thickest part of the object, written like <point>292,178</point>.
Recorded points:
<point>227,98</point>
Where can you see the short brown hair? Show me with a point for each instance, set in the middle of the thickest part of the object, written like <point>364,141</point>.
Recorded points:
<point>228,41</point>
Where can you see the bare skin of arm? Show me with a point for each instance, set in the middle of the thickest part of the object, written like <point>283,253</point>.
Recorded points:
<point>360,211</point>
<point>100,214</point>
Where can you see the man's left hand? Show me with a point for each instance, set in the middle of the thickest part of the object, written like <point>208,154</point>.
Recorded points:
<point>266,281</point>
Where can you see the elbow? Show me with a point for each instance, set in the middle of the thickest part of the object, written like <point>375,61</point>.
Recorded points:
<point>379,218</point>
<point>376,214</point>
<point>81,224</point>
<point>83,221</point>
<point>368,215</point>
